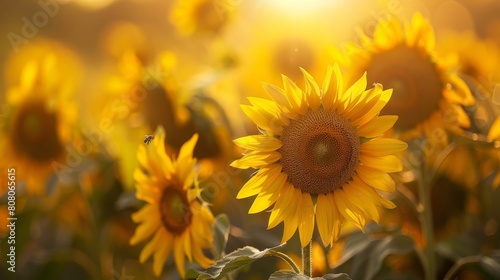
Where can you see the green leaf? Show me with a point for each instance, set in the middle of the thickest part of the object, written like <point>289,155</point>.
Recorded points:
<point>233,261</point>
<point>364,260</point>
<point>221,234</point>
<point>287,274</point>
<point>485,264</point>
<point>337,276</point>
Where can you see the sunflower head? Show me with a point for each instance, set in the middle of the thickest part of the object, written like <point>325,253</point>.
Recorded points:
<point>174,218</point>
<point>320,156</point>
<point>41,115</point>
<point>427,91</point>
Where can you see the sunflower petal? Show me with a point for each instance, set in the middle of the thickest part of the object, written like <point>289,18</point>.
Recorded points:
<point>387,163</point>
<point>261,143</point>
<point>306,225</point>
<point>179,257</point>
<point>162,252</point>
<point>332,87</point>
<point>382,147</point>
<point>256,159</point>
<point>262,121</point>
<point>269,194</point>
<point>292,222</point>
<point>312,91</point>
<point>377,126</point>
<point>282,208</point>
<point>376,178</point>
<point>255,184</point>
<point>325,208</point>
<point>494,133</point>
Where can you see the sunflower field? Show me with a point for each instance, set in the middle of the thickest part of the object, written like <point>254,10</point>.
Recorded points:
<point>250,139</point>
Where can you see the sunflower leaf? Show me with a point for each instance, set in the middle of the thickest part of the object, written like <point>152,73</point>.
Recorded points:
<point>364,256</point>
<point>221,234</point>
<point>234,261</point>
<point>288,274</point>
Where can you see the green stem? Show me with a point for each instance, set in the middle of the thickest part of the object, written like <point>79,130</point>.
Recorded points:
<point>424,190</point>
<point>306,260</point>
<point>286,258</point>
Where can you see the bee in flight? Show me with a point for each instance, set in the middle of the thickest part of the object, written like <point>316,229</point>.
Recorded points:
<point>148,139</point>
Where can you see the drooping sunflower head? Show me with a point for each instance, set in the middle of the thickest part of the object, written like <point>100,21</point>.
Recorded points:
<point>201,16</point>
<point>41,118</point>
<point>427,91</point>
<point>320,156</point>
<point>174,218</point>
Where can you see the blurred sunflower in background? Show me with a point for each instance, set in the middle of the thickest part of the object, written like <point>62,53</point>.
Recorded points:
<point>284,48</point>
<point>141,97</point>
<point>174,219</point>
<point>41,122</point>
<point>201,16</point>
<point>428,93</point>
<point>320,155</point>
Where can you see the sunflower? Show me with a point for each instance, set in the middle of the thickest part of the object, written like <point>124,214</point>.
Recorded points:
<point>428,94</point>
<point>41,116</point>
<point>201,16</point>
<point>173,218</point>
<point>320,156</point>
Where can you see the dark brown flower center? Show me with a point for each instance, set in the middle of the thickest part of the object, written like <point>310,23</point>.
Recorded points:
<point>34,132</point>
<point>415,80</point>
<point>320,151</point>
<point>175,212</point>
<point>292,54</point>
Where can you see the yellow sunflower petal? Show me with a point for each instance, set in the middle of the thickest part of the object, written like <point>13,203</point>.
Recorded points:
<point>306,225</point>
<point>200,258</point>
<point>325,209</point>
<point>270,125</point>
<point>459,92</point>
<point>332,87</point>
<point>376,178</point>
<point>377,126</point>
<point>346,211</point>
<point>162,239</point>
<point>270,191</point>
<point>144,231</point>
<point>373,108</point>
<point>269,110</point>
<point>145,213</point>
<point>186,151</point>
<point>162,252</point>
<point>263,143</point>
<point>383,146</point>
<point>354,91</point>
<point>295,95</point>
<point>292,222</point>
<point>357,192</point>
<point>312,91</point>
<point>256,159</point>
<point>494,133</point>
<point>179,257</point>
<point>282,208</point>
<point>387,163</point>
<point>278,95</point>
<point>255,184</point>
<point>186,240</point>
